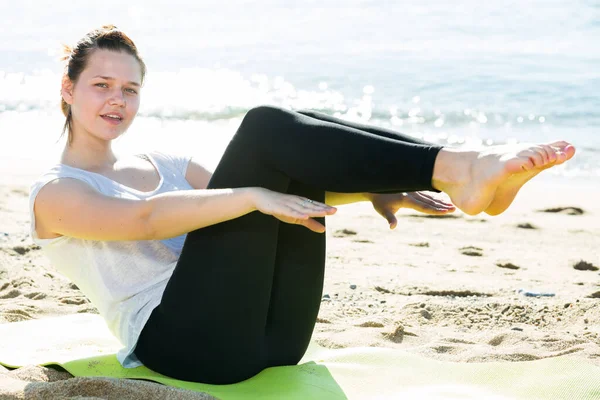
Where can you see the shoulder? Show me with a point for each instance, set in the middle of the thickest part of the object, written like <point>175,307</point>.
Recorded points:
<point>61,175</point>
<point>60,186</point>
<point>61,180</point>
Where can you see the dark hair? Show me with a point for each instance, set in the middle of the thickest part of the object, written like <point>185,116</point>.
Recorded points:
<point>107,38</point>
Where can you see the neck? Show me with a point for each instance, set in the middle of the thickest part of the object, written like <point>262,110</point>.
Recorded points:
<point>89,153</point>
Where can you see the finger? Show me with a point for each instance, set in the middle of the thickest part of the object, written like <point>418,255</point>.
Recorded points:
<point>431,198</point>
<point>292,212</point>
<point>314,203</point>
<point>314,225</point>
<point>429,209</point>
<point>427,199</point>
<point>308,204</point>
<point>313,211</point>
<point>393,221</point>
<point>431,205</point>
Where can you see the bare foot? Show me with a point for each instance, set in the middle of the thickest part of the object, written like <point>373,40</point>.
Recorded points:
<point>507,191</point>
<point>474,178</point>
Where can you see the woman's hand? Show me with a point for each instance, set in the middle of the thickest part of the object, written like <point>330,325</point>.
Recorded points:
<point>388,204</point>
<point>292,209</point>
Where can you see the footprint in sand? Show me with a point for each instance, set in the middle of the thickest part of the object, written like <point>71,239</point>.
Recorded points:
<point>397,335</point>
<point>445,216</point>
<point>526,225</point>
<point>363,241</point>
<point>77,300</point>
<point>564,210</point>
<point>382,289</point>
<point>472,251</point>
<point>508,265</point>
<point>455,293</point>
<point>22,192</point>
<point>445,349</point>
<point>585,266</point>
<point>370,324</point>
<point>459,341</point>
<point>88,310</point>
<point>344,233</point>
<point>15,315</point>
<point>25,249</point>
<point>11,294</point>
<point>497,340</point>
<point>477,220</point>
<point>23,281</point>
<point>36,295</point>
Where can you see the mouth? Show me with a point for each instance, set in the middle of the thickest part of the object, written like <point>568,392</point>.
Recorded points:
<point>112,118</point>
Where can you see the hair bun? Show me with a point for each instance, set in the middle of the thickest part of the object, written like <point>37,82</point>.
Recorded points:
<point>66,52</point>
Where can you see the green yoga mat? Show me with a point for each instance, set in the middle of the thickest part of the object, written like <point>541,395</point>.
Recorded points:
<point>82,345</point>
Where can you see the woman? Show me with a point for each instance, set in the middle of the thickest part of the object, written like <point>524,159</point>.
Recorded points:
<point>194,272</point>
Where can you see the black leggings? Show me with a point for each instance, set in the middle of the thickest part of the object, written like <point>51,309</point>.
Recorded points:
<point>245,293</point>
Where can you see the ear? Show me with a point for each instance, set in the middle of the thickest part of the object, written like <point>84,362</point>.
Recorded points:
<point>67,89</point>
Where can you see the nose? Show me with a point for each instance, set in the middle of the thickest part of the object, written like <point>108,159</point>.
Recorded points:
<point>117,98</point>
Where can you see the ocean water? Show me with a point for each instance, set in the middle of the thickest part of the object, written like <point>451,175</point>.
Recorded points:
<point>457,73</point>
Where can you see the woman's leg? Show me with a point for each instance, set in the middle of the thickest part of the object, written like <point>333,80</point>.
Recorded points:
<point>337,155</point>
<point>297,286</point>
<point>376,130</point>
<point>300,267</point>
<point>220,319</point>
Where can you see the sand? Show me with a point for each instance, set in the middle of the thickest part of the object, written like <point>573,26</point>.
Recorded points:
<point>443,287</point>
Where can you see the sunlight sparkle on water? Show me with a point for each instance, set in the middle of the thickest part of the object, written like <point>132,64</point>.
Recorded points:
<point>396,121</point>
<point>413,112</point>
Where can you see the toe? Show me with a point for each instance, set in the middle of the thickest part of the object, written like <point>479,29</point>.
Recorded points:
<point>550,154</point>
<point>570,151</point>
<point>559,144</point>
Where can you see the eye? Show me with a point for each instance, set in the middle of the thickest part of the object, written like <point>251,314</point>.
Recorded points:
<point>132,91</point>
<point>98,84</point>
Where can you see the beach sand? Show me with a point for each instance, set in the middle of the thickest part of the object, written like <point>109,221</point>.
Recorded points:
<point>442,287</point>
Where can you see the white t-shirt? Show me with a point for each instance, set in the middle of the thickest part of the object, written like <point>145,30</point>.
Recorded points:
<point>124,280</point>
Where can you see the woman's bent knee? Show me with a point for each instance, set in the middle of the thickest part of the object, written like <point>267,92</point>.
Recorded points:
<point>261,125</point>
<point>266,111</point>
<point>265,116</point>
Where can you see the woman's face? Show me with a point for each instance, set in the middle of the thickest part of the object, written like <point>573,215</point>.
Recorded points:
<point>106,97</point>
